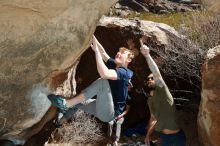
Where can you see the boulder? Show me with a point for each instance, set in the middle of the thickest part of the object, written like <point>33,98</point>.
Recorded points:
<point>159,31</point>
<point>39,39</point>
<point>209,116</point>
<point>157,6</point>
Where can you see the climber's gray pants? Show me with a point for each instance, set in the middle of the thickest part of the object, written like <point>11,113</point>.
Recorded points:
<point>102,107</point>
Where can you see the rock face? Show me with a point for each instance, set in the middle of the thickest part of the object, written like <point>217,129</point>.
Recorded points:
<point>159,32</point>
<point>209,117</point>
<point>126,7</point>
<point>38,40</point>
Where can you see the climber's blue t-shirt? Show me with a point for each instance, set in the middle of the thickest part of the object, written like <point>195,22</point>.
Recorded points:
<point>119,87</point>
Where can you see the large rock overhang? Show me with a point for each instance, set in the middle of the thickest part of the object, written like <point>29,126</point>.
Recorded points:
<point>38,40</point>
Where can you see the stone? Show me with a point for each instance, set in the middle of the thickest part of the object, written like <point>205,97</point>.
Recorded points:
<point>182,8</point>
<point>209,110</point>
<point>38,41</point>
<point>152,29</point>
<point>160,6</point>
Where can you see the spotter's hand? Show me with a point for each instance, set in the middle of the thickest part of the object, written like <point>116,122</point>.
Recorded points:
<point>144,49</point>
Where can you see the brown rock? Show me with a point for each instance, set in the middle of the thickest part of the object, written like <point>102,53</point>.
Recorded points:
<point>160,6</point>
<point>39,39</point>
<point>209,112</point>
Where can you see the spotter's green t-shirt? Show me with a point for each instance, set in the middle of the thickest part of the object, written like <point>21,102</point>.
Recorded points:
<point>162,106</point>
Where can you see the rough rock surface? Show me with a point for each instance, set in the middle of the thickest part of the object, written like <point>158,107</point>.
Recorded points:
<point>157,31</point>
<point>209,116</point>
<point>38,40</point>
<point>125,7</point>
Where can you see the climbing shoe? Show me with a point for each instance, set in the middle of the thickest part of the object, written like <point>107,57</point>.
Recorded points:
<point>58,101</point>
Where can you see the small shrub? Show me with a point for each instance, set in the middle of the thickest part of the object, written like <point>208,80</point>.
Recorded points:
<point>182,60</point>
<point>204,30</point>
<point>83,129</point>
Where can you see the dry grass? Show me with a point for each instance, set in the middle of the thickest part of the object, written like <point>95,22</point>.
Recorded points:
<point>203,30</point>
<point>174,19</point>
<point>213,5</point>
<point>83,130</point>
